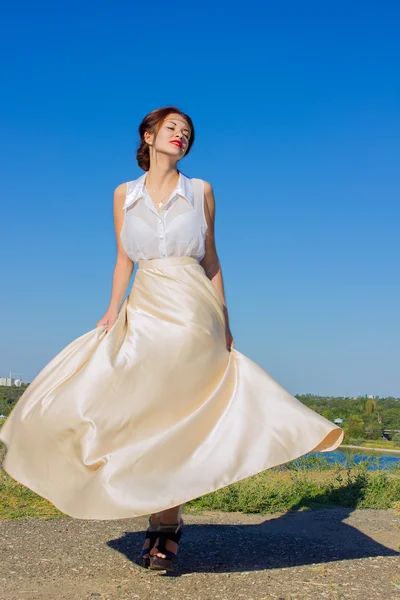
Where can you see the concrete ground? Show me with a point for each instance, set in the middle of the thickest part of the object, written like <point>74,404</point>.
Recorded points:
<point>317,554</point>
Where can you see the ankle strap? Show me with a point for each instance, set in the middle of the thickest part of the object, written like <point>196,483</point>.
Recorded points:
<point>168,527</point>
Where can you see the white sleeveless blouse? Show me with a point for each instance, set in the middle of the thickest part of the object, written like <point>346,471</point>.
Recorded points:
<point>178,230</point>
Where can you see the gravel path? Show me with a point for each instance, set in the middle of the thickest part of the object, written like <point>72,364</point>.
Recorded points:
<point>316,554</point>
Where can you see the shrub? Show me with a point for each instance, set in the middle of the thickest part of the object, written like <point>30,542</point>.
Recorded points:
<point>355,441</point>
<point>374,431</point>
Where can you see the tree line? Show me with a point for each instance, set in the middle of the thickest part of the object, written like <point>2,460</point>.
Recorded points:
<point>362,417</point>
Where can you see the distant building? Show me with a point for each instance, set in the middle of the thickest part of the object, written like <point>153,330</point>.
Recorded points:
<point>9,381</point>
<point>338,420</point>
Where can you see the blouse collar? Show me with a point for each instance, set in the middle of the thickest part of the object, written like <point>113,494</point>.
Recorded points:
<point>137,190</point>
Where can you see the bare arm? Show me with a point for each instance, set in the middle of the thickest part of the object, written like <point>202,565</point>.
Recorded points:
<point>124,265</point>
<point>210,261</point>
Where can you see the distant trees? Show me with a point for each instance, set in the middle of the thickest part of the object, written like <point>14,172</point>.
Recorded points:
<point>373,431</point>
<point>354,427</point>
<point>370,406</point>
<point>376,414</point>
<point>390,417</point>
<point>328,414</point>
<point>9,396</point>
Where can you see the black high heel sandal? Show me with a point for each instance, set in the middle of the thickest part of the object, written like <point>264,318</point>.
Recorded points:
<point>152,535</point>
<point>166,532</point>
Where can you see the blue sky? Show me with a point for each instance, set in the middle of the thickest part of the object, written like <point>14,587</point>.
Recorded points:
<point>297,116</point>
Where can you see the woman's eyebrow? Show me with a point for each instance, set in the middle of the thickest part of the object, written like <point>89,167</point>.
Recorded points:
<point>172,121</point>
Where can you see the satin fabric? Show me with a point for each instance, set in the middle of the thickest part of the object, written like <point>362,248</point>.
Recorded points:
<point>156,411</point>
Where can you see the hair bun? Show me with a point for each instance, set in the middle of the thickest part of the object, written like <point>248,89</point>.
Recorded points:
<point>152,123</point>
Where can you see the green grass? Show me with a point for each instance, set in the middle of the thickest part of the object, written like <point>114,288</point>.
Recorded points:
<point>301,489</point>
<point>381,444</point>
<point>276,490</point>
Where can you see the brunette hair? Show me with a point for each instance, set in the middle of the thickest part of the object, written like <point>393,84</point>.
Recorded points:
<point>152,123</point>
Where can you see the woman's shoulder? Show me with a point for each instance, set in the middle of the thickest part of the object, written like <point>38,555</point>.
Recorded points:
<point>129,184</point>
<point>124,188</point>
<point>120,192</point>
<point>120,189</point>
<point>207,185</point>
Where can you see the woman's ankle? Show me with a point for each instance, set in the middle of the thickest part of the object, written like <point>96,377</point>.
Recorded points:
<point>155,518</point>
<point>171,516</point>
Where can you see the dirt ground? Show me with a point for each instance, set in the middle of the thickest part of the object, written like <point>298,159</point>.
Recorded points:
<point>317,554</point>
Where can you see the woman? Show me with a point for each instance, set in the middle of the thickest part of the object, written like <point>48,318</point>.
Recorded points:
<point>155,406</point>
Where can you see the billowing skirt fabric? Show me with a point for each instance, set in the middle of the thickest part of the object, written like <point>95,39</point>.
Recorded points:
<point>156,411</point>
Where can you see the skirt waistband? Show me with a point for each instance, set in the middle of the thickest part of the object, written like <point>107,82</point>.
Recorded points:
<point>168,261</point>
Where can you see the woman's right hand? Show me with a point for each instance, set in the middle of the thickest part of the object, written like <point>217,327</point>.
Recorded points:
<point>108,319</point>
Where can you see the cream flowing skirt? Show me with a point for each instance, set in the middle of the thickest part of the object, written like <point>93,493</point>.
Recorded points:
<point>156,411</point>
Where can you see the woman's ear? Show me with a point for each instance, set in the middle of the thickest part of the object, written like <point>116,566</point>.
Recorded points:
<point>148,138</point>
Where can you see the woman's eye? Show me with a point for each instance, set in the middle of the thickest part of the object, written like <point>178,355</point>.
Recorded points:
<point>185,134</point>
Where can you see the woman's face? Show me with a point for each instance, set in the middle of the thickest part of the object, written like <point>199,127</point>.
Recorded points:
<point>173,136</point>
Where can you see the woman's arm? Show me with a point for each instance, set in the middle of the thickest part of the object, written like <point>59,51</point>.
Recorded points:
<point>124,265</point>
<point>210,261</point>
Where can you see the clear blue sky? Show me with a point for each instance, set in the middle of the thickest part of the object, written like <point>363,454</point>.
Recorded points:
<point>296,109</point>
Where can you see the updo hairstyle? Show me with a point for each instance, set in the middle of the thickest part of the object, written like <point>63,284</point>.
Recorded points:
<point>152,123</point>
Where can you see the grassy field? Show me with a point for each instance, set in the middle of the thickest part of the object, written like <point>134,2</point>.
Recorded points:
<point>312,483</point>
<point>381,444</point>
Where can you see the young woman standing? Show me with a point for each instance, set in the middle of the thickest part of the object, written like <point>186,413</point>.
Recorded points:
<point>155,406</point>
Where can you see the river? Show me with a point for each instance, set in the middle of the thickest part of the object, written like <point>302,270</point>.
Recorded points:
<point>377,460</point>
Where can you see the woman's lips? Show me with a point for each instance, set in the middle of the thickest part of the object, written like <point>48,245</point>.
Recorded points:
<point>176,143</point>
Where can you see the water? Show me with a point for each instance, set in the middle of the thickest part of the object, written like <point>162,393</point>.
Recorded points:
<point>375,460</point>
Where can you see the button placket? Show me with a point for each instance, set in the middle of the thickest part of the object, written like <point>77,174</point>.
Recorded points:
<point>161,229</point>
